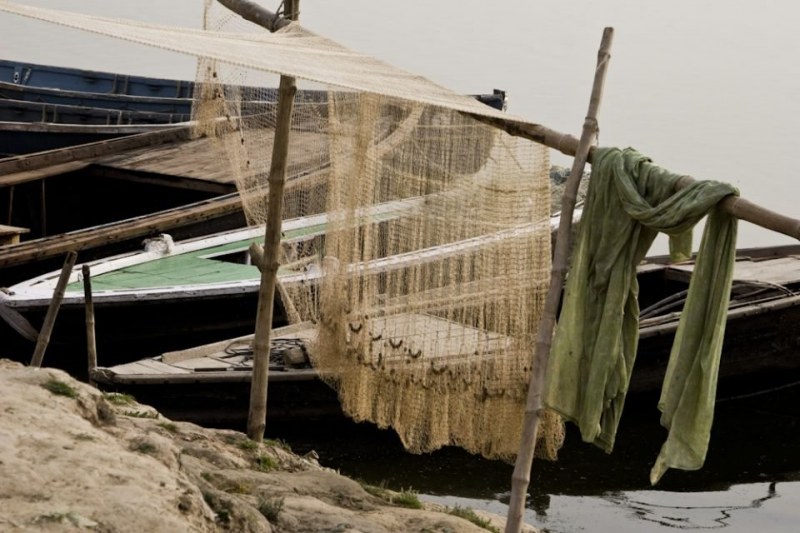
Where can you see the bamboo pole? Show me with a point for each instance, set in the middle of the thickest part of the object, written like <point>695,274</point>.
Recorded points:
<point>522,468</point>
<point>10,205</point>
<point>257,414</point>
<point>44,209</point>
<point>91,342</point>
<point>567,144</point>
<point>260,16</point>
<point>50,318</point>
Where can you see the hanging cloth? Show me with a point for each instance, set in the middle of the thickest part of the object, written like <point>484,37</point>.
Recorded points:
<point>629,201</point>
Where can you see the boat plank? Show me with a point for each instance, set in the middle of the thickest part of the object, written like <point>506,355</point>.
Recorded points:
<point>214,363</point>
<point>439,340</point>
<point>199,158</point>
<point>149,366</point>
<point>779,270</point>
<point>16,178</point>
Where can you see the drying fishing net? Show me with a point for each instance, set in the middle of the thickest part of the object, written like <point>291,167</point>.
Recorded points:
<point>416,239</point>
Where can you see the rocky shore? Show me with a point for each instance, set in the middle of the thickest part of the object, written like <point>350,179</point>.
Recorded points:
<point>73,458</point>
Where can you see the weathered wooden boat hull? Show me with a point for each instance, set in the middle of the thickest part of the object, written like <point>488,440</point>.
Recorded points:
<point>760,350</point>
<point>26,111</point>
<point>761,336</point>
<point>17,138</point>
<point>83,80</point>
<point>131,330</point>
<point>58,96</point>
<point>759,356</point>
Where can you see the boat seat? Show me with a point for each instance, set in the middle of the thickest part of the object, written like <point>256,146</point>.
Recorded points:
<point>10,234</point>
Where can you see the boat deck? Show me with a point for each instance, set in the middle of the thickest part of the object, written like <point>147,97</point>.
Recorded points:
<point>199,159</point>
<point>774,270</point>
<point>437,339</point>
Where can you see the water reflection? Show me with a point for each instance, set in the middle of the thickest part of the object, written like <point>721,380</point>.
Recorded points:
<point>751,478</point>
<point>682,510</point>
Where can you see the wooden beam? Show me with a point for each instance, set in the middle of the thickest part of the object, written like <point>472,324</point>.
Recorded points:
<point>52,311</point>
<point>34,250</point>
<point>91,342</point>
<point>162,180</point>
<point>257,14</point>
<point>80,152</point>
<point>15,178</point>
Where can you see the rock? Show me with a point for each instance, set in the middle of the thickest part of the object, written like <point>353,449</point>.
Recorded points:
<point>72,460</point>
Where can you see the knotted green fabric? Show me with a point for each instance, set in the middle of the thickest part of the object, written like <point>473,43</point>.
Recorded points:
<point>630,200</point>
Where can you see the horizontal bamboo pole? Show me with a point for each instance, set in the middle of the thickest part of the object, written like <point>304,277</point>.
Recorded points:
<point>59,156</point>
<point>568,145</point>
<point>47,247</point>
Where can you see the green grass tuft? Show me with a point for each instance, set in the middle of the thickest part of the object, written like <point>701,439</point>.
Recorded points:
<point>247,444</point>
<point>379,491</point>
<point>118,398</point>
<point>469,515</point>
<point>60,388</point>
<point>407,498</point>
<point>278,443</point>
<point>265,463</point>
<point>169,426</point>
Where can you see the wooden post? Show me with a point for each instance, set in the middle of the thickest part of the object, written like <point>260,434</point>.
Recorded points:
<point>257,414</point>
<point>91,344</point>
<point>50,318</point>
<point>44,209</point>
<point>10,204</point>
<point>522,468</point>
<point>258,15</point>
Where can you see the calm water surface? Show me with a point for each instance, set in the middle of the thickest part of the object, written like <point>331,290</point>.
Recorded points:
<point>711,89</point>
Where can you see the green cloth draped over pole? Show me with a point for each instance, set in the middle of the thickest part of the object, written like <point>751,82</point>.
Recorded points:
<point>630,200</point>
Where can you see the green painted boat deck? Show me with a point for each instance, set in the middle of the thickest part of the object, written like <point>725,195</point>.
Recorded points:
<point>196,267</point>
<point>188,268</point>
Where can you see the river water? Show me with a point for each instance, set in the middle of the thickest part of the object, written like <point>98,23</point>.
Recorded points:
<point>710,89</point>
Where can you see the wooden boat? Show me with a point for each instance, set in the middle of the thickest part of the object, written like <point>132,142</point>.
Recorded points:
<point>27,79</point>
<point>169,182</point>
<point>210,383</point>
<point>44,107</point>
<point>32,126</point>
<point>182,191</point>
<point>29,137</point>
<point>29,111</point>
<point>191,384</point>
<point>82,80</point>
<point>191,292</point>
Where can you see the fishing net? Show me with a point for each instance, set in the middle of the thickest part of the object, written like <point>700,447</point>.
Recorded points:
<point>415,238</point>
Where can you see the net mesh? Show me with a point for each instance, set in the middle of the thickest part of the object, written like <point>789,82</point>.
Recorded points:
<point>416,239</point>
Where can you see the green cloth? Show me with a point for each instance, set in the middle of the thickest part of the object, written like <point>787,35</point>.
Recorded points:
<point>630,200</point>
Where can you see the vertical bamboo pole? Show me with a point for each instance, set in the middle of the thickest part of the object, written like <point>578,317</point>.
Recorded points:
<point>50,318</point>
<point>44,210</point>
<point>91,343</point>
<point>522,468</point>
<point>10,204</point>
<point>257,414</point>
